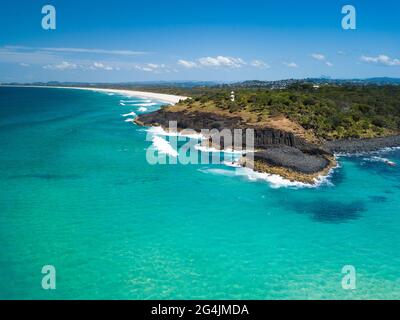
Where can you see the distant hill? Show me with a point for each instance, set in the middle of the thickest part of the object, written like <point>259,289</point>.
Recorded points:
<point>276,84</point>
<point>281,84</point>
<point>150,84</point>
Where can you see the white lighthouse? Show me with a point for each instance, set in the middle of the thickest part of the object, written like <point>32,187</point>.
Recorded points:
<point>232,96</point>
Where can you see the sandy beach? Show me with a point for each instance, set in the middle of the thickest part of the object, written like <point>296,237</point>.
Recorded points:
<point>165,98</point>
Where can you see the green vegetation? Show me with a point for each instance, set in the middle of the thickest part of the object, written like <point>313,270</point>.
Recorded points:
<point>330,111</point>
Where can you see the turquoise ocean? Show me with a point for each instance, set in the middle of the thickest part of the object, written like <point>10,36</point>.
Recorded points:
<point>77,192</point>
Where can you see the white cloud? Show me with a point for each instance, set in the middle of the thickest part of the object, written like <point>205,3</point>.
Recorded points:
<point>14,56</point>
<point>141,68</point>
<point>77,50</point>
<point>291,64</point>
<point>61,66</point>
<point>85,66</point>
<point>259,64</point>
<point>187,64</point>
<point>382,60</point>
<point>318,56</point>
<point>221,61</point>
<point>321,57</point>
<point>154,67</point>
<point>100,66</point>
<point>57,61</point>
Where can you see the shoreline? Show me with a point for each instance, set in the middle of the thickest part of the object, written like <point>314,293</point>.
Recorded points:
<point>162,97</point>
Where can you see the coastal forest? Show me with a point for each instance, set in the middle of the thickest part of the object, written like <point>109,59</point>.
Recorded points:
<point>330,111</point>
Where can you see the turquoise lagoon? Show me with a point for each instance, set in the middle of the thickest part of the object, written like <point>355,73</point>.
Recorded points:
<point>77,192</point>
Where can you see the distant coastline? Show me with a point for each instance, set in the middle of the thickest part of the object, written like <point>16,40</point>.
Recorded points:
<point>162,97</point>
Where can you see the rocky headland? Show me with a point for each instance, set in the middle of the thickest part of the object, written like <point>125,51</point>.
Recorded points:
<point>276,151</point>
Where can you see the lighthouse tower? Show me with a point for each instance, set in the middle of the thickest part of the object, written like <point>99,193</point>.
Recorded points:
<point>232,96</point>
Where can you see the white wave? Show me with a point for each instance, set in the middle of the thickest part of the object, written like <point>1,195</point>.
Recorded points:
<point>136,101</point>
<point>367,153</point>
<point>224,172</point>
<point>161,132</point>
<point>129,114</point>
<point>206,149</point>
<point>233,164</point>
<point>376,159</point>
<point>163,146</point>
<point>203,148</point>
<point>146,104</point>
<point>142,109</point>
<point>388,149</point>
<point>379,159</point>
<point>274,180</point>
<point>129,120</point>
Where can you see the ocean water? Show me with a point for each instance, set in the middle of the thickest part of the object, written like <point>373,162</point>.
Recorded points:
<point>77,192</point>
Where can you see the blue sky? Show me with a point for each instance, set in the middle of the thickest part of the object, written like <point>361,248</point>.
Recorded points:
<point>112,41</point>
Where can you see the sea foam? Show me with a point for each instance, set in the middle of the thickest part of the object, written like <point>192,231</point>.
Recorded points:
<point>203,148</point>
<point>163,146</point>
<point>367,153</point>
<point>146,104</point>
<point>136,101</point>
<point>129,114</point>
<point>161,132</point>
<point>274,180</point>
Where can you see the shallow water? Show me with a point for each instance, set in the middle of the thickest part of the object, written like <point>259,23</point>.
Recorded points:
<point>78,193</point>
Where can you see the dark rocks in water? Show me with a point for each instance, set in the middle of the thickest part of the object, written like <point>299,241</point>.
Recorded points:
<point>378,199</point>
<point>45,176</point>
<point>329,211</point>
<point>362,145</point>
<point>292,158</point>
